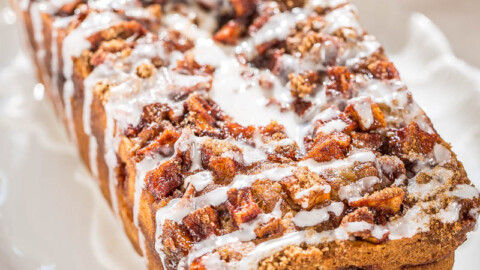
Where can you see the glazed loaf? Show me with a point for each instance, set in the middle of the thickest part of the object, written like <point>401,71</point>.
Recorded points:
<point>249,134</point>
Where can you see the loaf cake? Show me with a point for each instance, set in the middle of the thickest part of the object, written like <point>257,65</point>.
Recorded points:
<point>251,134</point>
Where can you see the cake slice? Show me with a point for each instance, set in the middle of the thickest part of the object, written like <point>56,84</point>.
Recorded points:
<point>250,134</point>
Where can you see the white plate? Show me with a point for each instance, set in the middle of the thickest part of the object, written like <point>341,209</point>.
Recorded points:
<point>52,214</point>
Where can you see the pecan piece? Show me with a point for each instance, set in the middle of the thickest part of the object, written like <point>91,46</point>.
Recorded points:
<point>122,30</point>
<point>222,158</point>
<point>229,33</point>
<point>203,114</point>
<point>110,46</point>
<point>164,179</point>
<point>272,228</point>
<point>241,205</point>
<point>411,141</point>
<point>306,188</point>
<point>339,81</point>
<point>392,167</point>
<point>388,200</point>
<point>175,239</point>
<point>243,8</point>
<point>189,66</point>
<point>383,70</point>
<point>202,223</point>
<point>267,194</point>
<point>366,113</point>
<point>303,84</point>
<point>176,41</point>
<point>145,70</point>
<point>161,144</point>
<point>371,141</point>
<point>326,147</point>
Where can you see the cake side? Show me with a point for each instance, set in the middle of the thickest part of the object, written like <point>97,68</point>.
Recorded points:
<point>157,108</point>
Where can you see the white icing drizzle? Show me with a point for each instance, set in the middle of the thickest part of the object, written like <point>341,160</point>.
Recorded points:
<point>278,26</point>
<point>363,107</point>
<point>331,126</point>
<point>73,45</point>
<point>355,190</point>
<point>377,231</point>
<point>422,191</point>
<point>343,17</point>
<point>441,154</point>
<point>450,213</point>
<point>464,191</point>
<point>199,180</point>
<point>317,216</point>
<point>317,167</point>
<point>413,222</point>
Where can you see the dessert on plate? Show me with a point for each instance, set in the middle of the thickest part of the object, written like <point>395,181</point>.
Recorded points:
<point>251,134</point>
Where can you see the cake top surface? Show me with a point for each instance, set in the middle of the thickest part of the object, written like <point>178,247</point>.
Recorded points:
<point>255,125</point>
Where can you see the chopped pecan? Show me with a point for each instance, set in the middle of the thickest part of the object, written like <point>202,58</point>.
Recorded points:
<point>274,130</point>
<point>366,113</point>
<point>222,158</point>
<point>303,84</point>
<point>273,227</point>
<point>290,4</point>
<point>229,33</point>
<point>82,65</point>
<point>339,81</point>
<point>202,223</point>
<point>388,200</point>
<point>122,30</point>
<point>267,194</point>
<point>175,239</point>
<point>110,46</point>
<point>198,263</point>
<point>307,35</point>
<point>261,18</point>
<point>306,188</point>
<point>266,46</point>
<point>164,179</point>
<point>145,70</point>
<point>237,131</point>
<point>365,169</point>
<point>392,167</point>
<point>161,144</point>
<point>174,40</point>
<point>203,113</point>
<point>189,66</point>
<point>241,205</point>
<point>371,141</point>
<point>243,8</point>
<point>235,251</point>
<point>383,70</point>
<point>156,112</point>
<point>326,147</point>
<point>360,214</point>
<point>411,141</point>
<point>282,150</point>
